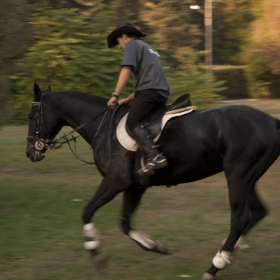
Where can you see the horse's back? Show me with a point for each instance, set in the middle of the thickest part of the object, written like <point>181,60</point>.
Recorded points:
<point>200,142</point>
<point>229,123</point>
<point>245,125</point>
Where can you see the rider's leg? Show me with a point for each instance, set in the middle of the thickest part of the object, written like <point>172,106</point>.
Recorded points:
<point>144,103</point>
<point>154,159</point>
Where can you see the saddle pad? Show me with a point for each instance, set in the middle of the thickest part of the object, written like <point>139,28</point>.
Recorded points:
<point>129,143</point>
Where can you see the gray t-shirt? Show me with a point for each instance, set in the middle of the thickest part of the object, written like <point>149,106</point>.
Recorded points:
<point>146,67</point>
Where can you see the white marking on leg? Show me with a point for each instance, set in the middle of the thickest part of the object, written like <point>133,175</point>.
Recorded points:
<point>91,245</point>
<point>90,232</point>
<point>221,259</point>
<point>143,240</point>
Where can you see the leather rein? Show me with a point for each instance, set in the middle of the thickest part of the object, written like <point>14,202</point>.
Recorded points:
<point>57,143</point>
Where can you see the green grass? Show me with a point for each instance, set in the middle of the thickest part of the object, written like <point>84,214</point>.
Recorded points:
<point>41,228</point>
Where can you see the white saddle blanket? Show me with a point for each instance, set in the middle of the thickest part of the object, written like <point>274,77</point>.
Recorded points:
<point>129,143</point>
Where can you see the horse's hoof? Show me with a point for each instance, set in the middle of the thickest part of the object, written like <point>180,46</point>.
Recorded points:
<point>100,259</point>
<point>162,248</point>
<point>208,276</point>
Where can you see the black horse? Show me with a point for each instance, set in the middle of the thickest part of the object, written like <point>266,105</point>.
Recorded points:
<point>239,140</point>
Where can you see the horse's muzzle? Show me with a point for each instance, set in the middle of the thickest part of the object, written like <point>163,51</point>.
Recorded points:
<point>34,155</point>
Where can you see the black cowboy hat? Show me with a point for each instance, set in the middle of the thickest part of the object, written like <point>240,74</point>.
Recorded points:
<point>123,28</point>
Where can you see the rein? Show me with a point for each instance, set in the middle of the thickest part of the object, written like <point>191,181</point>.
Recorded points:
<point>55,144</point>
<point>65,137</point>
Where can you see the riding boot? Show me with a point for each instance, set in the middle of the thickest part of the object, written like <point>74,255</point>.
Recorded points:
<point>154,159</point>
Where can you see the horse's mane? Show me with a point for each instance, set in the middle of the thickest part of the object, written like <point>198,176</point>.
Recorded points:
<point>83,97</point>
<point>80,100</point>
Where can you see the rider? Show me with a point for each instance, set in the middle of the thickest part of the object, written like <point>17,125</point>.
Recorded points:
<point>151,89</point>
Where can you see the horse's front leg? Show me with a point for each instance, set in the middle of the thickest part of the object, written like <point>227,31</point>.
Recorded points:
<point>131,200</point>
<point>107,190</point>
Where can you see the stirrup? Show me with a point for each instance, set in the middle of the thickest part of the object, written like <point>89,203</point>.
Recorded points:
<point>156,163</point>
<point>144,169</point>
<point>160,163</point>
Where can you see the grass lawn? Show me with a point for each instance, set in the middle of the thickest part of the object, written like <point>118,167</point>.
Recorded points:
<point>41,229</point>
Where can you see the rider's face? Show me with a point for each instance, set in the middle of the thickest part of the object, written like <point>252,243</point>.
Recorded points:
<point>121,41</point>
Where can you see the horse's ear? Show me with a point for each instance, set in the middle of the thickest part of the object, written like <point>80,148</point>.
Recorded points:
<point>37,93</point>
<point>49,89</point>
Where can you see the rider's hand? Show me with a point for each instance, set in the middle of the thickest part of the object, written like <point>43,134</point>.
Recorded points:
<point>127,100</point>
<point>112,102</point>
<point>123,101</point>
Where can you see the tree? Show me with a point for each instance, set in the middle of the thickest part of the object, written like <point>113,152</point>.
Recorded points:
<point>231,21</point>
<point>70,53</point>
<point>176,35</point>
<point>14,40</point>
<point>170,28</point>
<point>263,51</point>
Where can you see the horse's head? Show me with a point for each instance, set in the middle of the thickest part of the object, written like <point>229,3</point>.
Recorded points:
<point>42,126</point>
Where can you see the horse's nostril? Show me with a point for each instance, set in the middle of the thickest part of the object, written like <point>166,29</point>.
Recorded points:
<point>27,154</point>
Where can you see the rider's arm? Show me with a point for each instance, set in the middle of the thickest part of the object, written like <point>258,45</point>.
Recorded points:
<point>123,78</point>
<point>127,100</point>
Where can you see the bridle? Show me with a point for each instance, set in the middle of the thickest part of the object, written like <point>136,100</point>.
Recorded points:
<point>54,144</point>
<point>39,144</point>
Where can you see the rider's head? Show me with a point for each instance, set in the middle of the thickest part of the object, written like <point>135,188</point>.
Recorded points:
<point>123,34</point>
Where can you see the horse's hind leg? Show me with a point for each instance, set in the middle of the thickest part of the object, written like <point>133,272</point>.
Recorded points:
<point>241,178</point>
<point>238,193</point>
<point>246,211</point>
<point>256,208</point>
<point>131,200</point>
<point>242,174</point>
<point>257,212</point>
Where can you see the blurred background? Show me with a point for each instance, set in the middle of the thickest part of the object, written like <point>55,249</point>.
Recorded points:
<point>214,49</point>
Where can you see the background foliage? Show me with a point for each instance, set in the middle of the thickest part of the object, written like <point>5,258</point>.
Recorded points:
<point>63,43</point>
<point>69,53</point>
<point>15,36</point>
<point>263,52</point>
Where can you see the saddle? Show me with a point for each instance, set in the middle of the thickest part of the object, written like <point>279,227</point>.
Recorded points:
<point>153,121</point>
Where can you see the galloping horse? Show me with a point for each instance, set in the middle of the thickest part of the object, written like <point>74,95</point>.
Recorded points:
<point>239,140</point>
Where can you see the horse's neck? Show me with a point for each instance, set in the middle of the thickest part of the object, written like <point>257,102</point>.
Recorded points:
<point>79,113</point>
